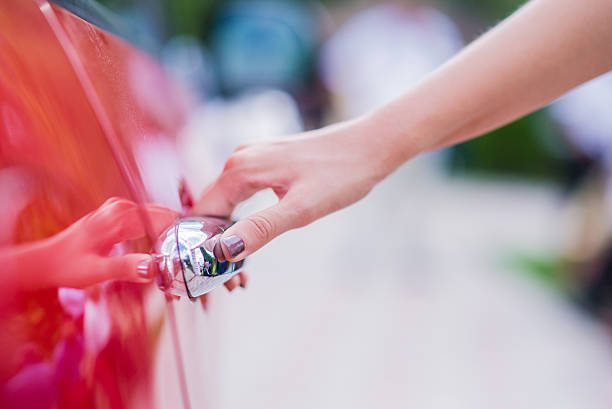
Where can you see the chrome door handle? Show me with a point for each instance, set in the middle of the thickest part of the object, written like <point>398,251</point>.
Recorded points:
<point>186,257</point>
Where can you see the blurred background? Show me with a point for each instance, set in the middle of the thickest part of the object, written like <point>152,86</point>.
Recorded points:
<point>475,277</point>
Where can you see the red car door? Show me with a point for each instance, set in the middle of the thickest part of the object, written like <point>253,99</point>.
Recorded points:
<point>85,116</point>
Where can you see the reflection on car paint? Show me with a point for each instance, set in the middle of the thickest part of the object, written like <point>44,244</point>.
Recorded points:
<point>74,102</point>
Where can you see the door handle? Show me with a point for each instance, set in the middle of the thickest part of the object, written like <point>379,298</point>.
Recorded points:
<point>186,257</point>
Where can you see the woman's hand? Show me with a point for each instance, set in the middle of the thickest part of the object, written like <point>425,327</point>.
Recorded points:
<point>79,256</point>
<point>313,174</point>
<point>510,71</point>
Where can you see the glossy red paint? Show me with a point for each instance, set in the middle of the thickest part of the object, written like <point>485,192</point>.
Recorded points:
<point>82,115</point>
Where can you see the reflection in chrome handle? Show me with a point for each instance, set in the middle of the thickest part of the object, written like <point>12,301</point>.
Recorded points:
<point>187,263</point>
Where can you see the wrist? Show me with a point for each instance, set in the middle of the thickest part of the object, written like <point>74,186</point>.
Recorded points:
<point>362,148</point>
<point>392,140</point>
<point>27,264</point>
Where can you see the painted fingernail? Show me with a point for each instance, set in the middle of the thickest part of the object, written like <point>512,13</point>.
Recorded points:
<point>234,244</point>
<point>146,268</point>
<point>218,251</point>
<point>243,279</point>
<point>231,284</point>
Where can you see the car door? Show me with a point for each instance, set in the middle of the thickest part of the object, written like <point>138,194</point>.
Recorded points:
<point>85,116</point>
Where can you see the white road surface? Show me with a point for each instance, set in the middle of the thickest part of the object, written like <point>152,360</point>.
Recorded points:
<point>403,301</point>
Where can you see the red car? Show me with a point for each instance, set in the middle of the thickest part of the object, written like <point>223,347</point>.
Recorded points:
<point>84,117</point>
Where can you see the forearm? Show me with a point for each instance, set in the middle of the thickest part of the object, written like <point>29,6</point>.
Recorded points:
<point>23,263</point>
<point>543,50</point>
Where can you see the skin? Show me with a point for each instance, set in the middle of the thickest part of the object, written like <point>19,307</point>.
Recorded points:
<point>534,56</point>
<point>79,256</point>
<point>540,52</point>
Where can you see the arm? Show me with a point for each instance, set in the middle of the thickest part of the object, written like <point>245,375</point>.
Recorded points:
<point>541,51</point>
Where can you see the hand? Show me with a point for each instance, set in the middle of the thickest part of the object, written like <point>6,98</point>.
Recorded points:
<point>313,174</point>
<point>79,255</point>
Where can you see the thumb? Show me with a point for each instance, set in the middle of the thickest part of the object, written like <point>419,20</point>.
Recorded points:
<point>250,234</point>
<point>91,270</point>
<point>139,268</point>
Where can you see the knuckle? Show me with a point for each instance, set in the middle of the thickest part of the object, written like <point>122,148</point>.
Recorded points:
<point>249,181</point>
<point>262,226</point>
<point>237,159</point>
<point>110,201</point>
<point>109,218</point>
<point>230,163</point>
<point>108,235</point>
<point>242,178</point>
<point>120,206</point>
<point>242,146</point>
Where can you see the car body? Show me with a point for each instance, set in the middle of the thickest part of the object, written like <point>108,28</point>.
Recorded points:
<point>85,116</point>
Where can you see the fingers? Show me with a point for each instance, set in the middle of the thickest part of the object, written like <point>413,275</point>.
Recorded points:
<point>93,269</point>
<point>204,302</point>
<point>239,279</point>
<point>137,268</point>
<point>232,283</point>
<point>160,218</point>
<point>250,234</point>
<point>214,201</point>
<point>249,169</point>
<point>118,220</point>
<point>220,197</point>
<point>246,172</point>
<point>244,278</point>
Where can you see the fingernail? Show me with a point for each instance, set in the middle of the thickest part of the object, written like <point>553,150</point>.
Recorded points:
<point>243,278</point>
<point>231,284</point>
<point>218,251</point>
<point>234,244</point>
<point>146,268</point>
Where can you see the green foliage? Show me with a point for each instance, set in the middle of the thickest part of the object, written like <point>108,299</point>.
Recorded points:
<point>548,269</point>
<point>522,148</point>
<point>519,149</point>
<point>191,17</point>
<point>489,10</point>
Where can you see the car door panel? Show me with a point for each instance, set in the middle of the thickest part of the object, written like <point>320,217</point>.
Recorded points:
<point>67,145</point>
